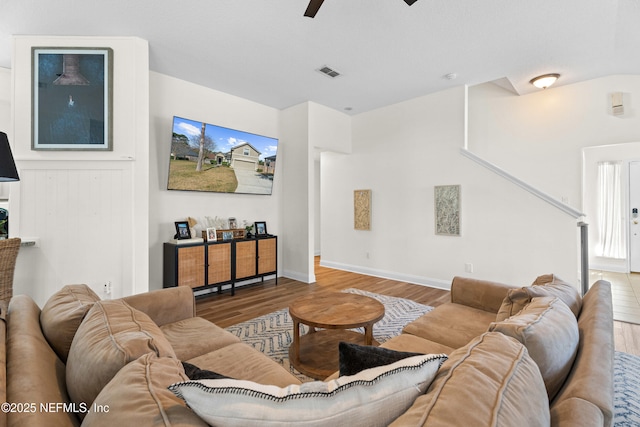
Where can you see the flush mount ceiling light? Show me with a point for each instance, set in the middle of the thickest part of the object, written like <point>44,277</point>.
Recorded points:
<point>544,81</point>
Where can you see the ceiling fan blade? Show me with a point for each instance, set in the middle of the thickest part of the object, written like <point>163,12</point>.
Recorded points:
<point>410,2</point>
<point>313,7</point>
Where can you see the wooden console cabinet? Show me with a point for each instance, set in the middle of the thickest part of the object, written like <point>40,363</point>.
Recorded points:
<point>215,264</point>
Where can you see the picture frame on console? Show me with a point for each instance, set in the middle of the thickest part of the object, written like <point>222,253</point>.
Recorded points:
<point>210,235</point>
<point>261,228</point>
<point>233,223</point>
<point>72,98</point>
<point>182,230</point>
<point>227,235</point>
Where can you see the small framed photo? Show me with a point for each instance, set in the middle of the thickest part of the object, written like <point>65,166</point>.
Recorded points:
<point>210,235</point>
<point>233,223</point>
<point>227,235</point>
<point>182,230</point>
<point>261,228</point>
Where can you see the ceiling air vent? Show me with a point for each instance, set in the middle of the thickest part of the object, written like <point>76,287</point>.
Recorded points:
<point>328,71</point>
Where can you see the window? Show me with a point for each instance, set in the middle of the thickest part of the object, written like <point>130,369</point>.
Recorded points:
<point>246,151</point>
<point>610,222</point>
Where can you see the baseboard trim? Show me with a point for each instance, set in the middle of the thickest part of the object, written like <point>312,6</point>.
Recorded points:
<point>608,267</point>
<point>300,277</point>
<point>392,275</point>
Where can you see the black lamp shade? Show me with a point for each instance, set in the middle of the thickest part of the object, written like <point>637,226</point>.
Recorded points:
<point>8,171</point>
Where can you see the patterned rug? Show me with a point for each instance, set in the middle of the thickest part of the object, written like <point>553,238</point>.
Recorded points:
<point>272,333</point>
<point>626,386</point>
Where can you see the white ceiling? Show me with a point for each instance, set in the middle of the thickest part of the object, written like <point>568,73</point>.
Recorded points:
<point>267,51</point>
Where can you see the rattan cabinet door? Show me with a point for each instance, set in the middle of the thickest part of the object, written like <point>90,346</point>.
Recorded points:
<point>219,268</point>
<point>191,266</point>
<point>267,255</point>
<point>245,259</point>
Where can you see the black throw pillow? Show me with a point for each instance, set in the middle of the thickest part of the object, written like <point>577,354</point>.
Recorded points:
<point>355,358</point>
<point>195,373</point>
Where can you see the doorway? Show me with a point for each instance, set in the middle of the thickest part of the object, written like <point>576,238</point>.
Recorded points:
<point>634,222</point>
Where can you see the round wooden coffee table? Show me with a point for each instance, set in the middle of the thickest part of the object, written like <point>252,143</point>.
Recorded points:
<point>316,353</point>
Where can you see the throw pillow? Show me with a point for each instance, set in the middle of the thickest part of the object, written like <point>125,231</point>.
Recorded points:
<point>491,381</point>
<point>112,334</point>
<point>195,373</point>
<point>62,314</point>
<point>549,330</point>
<point>355,358</point>
<point>138,396</point>
<point>374,397</point>
<point>547,285</point>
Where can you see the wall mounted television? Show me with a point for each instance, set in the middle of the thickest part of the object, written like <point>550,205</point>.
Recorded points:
<point>206,157</point>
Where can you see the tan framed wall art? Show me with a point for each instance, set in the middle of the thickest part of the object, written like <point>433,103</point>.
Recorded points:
<point>362,209</point>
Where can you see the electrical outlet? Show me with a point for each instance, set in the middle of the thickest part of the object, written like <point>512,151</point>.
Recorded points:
<point>107,287</point>
<point>468,267</point>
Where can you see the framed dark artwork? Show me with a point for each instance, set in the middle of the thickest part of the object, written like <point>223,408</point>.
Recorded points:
<point>72,99</point>
<point>182,230</point>
<point>261,228</point>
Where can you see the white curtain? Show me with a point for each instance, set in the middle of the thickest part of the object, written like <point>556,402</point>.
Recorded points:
<point>610,224</point>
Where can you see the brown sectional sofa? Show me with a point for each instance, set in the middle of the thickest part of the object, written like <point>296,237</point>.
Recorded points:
<point>115,369</point>
<point>574,356</point>
<point>108,363</point>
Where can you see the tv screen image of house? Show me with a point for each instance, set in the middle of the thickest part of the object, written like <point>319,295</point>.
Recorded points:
<point>206,157</point>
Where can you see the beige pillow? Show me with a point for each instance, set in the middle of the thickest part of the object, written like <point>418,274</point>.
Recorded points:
<point>138,396</point>
<point>549,330</point>
<point>63,313</point>
<point>112,334</point>
<point>547,285</point>
<point>372,397</point>
<point>491,381</point>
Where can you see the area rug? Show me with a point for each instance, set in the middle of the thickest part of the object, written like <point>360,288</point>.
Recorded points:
<point>626,386</point>
<point>272,334</point>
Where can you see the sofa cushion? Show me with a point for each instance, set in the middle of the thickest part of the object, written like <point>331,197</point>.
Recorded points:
<point>412,343</point>
<point>451,324</point>
<point>492,381</point>
<point>243,362</point>
<point>63,313</point>
<point>112,334</point>
<point>547,285</point>
<point>549,330</point>
<point>138,396</point>
<point>196,336</point>
<point>355,358</point>
<point>374,397</point>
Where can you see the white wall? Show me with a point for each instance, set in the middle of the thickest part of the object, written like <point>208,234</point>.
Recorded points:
<point>5,117</point>
<point>297,210</point>
<point>173,97</point>
<point>88,210</point>
<point>401,152</point>
<point>539,137</point>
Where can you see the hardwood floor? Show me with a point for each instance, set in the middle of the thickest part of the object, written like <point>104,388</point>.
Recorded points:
<point>256,300</point>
